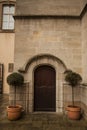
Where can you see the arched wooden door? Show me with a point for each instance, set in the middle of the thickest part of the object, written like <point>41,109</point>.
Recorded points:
<point>45,89</point>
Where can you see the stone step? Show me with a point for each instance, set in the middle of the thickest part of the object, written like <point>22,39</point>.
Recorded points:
<point>14,126</point>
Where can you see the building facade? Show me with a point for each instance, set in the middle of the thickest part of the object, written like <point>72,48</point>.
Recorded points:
<point>7,10</point>
<point>50,36</point>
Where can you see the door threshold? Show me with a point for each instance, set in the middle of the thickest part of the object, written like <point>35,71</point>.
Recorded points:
<point>44,112</point>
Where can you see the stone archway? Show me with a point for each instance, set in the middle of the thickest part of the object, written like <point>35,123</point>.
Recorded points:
<point>48,60</point>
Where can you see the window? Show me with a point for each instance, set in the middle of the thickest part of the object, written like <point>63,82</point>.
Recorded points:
<point>8,20</point>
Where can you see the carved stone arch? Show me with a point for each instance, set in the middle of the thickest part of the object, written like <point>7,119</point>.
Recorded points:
<point>28,70</point>
<point>24,69</point>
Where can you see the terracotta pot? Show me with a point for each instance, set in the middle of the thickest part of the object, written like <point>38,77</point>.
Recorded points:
<point>14,112</point>
<point>74,112</point>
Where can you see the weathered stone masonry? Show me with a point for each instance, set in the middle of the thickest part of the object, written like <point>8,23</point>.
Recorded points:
<point>46,35</point>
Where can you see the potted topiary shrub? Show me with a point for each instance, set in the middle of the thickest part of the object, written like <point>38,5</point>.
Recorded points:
<point>14,79</point>
<point>73,79</point>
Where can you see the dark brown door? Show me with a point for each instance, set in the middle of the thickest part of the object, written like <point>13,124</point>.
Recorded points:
<point>44,89</point>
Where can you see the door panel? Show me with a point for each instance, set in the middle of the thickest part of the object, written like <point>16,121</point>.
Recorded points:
<point>44,89</point>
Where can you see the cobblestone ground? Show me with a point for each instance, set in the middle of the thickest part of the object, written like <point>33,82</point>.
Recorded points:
<point>38,121</point>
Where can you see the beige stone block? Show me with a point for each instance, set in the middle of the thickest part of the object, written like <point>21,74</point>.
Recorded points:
<point>11,96</point>
<point>60,104</point>
<point>31,97</point>
<point>78,70</point>
<point>77,51</point>
<point>30,109</point>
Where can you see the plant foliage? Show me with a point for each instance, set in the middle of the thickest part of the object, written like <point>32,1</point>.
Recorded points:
<point>15,79</point>
<point>74,79</point>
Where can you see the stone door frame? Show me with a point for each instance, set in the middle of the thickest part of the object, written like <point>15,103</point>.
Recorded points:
<point>50,60</point>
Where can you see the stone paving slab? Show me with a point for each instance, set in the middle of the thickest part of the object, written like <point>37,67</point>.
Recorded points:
<point>28,127</point>
<point>43,122</point>
<point>38,121</point>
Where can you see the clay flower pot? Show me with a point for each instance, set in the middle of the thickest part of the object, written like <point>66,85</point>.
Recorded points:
<point>73,112</point>
<point>14,112</point>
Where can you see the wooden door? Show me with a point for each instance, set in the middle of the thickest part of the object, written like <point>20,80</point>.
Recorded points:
<point>44,89</point>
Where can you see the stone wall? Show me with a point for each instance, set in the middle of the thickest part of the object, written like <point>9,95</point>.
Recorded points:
<point>6,55</point>
<point>48,7</point>
<point>84,61</point>
<point>22,96</point>
<point>59,37</point>
<point>67,95</point>
<point>6,47</point>
<point>84,46</point>
<point>84,100</point>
